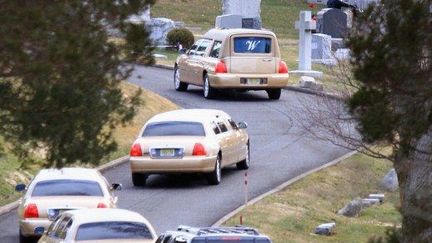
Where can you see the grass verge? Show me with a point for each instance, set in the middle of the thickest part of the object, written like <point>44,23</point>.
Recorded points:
<point>11,172</point>
<point>292,214</point>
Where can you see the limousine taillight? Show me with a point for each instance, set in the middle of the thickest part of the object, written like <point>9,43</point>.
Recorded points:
<point>135,150</point>
<point>283,68</point>
<point>221,67</point>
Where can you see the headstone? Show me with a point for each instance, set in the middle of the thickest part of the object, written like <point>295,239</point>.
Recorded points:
<point>228,21</point>
<point>325,229</point>
<point>390,181</point>
<point>352,209</point>
<point>366,202</point>
<point>159,30</point>
<point>337,43</point>
<point>305,26</point>
<point>321,46</point>
<point>342,54</point>
<point>333,22</point>
<point>250,10</point>
<point>379,196</point>
<point>310,83</point>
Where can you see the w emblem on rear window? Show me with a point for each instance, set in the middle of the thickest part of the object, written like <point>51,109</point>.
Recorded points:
<point>252,44</point>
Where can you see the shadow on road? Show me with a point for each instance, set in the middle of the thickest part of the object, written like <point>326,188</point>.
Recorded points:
<point>232,95</point>
<point>184,181</point>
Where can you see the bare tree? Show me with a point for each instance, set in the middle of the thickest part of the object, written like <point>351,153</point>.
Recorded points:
<point>385,99</point>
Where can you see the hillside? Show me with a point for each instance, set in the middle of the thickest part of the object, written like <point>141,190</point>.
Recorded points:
<point>277,15</point>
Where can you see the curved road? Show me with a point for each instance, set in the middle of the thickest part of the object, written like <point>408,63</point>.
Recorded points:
<point>280,150</point>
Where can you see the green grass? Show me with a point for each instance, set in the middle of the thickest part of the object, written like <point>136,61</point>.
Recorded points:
<point>277,15</point>
<point>292,214</point>
<point>10,174</point>
<point>11,171</point>
<point>170,54</point>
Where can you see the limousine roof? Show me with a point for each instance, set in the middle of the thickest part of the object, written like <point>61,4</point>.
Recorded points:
<point>221,34</point>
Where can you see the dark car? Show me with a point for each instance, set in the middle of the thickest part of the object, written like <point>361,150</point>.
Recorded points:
<point>238,234</point>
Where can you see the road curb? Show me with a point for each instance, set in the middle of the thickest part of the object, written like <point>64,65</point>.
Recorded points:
<point>162,66</point>
<point>314,92</point>
<point>13,205</point>
<point>280,187</point>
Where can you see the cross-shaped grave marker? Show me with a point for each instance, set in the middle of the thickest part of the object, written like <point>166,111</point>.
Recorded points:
<point>305,27</point>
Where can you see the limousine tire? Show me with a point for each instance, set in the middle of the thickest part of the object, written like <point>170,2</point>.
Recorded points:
<point>274,94</point>
<point>139,179</point>
<point>25,239</point>
<point>179,85</point>
<point>209,92</point>
<point>244,164</point>
<point>214,177</point>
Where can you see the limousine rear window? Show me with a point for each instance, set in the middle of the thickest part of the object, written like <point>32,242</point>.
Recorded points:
<point>174,128</point>
<point>252,44</point>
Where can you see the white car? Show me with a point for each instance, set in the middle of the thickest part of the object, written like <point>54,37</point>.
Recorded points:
<point>99,225</point>
<point>53,191</point>
<point>189,141</point>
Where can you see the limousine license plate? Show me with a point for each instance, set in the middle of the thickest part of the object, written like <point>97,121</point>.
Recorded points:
<point>167,152</point>
<point>254,81</point>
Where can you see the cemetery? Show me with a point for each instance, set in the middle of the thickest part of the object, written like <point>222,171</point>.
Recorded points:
<point>311,39</point>
<point>312,43</point>
<point>304,186</point>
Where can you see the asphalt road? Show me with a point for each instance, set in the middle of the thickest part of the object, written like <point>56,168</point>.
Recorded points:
<point>280,150</point>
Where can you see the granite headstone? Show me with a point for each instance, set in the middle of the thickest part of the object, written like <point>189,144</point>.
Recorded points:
<point>321,46</point>
<point>333,22</point>
<point>228,21</point>
<point>250,10</point>
<point>159,29</point>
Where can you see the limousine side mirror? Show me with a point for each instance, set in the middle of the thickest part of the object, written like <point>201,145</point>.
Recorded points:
<point>182,51</point>
<point>242,125</point>
<point>116,186</point>
<point>20,187</point>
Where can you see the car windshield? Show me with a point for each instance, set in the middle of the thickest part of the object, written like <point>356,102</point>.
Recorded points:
<point>252,44</point>
<point>113,230</point>
<point>174,128</point>
<point>67,188</point>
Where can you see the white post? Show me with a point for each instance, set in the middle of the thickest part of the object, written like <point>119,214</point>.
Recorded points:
<point>305,26</point>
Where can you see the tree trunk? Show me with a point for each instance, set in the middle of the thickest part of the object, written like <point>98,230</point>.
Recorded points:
<point>415,184</point>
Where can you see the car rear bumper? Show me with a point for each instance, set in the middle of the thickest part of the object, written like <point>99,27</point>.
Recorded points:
<point>28,226</point>
<point>187,164</point>
<point>230,80</point>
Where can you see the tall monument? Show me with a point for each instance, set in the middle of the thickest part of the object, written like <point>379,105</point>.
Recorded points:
<point>249,11</point>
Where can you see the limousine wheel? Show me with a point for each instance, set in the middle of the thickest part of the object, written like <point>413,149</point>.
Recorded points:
<point>209,92</point>
<point>24,239</point>
<point>214,177</point>
<point>179,85</point>
<point>274,94</point>
<point>139,179</point>
<point>244,164</point>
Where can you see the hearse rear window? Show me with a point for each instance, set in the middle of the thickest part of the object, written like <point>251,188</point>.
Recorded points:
<point>252,44</point>
<point>174,128</point>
